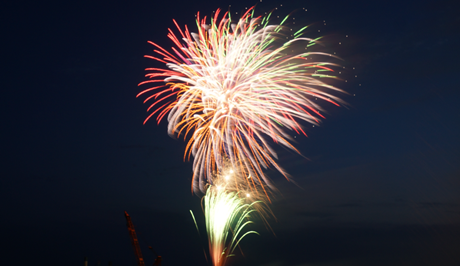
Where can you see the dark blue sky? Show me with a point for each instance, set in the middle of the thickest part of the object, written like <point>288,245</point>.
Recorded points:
<point>381,186</point>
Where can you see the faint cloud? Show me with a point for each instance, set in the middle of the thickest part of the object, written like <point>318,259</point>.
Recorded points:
<point>437,204</point>
<point>422,99</point>
<point>327,263</point>
<point>275,263</point>
<point>314,214</point>
<point>139,146</point>
<point>350,205</point>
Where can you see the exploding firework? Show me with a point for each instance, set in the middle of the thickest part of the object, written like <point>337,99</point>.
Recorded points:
<point>227,214</point>
<point>233,86</point>
<point>228,207</point>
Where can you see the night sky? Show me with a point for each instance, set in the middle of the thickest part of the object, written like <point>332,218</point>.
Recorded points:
<point>379,184</point>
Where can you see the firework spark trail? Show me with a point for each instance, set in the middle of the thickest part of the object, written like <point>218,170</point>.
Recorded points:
<point>226,215</point>
<point>228,206</point>
<point>233,86</point>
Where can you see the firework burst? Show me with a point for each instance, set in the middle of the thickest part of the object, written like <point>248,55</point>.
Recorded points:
<point>228,207</point>
<point>226,216</point>
<point>233,88</point>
